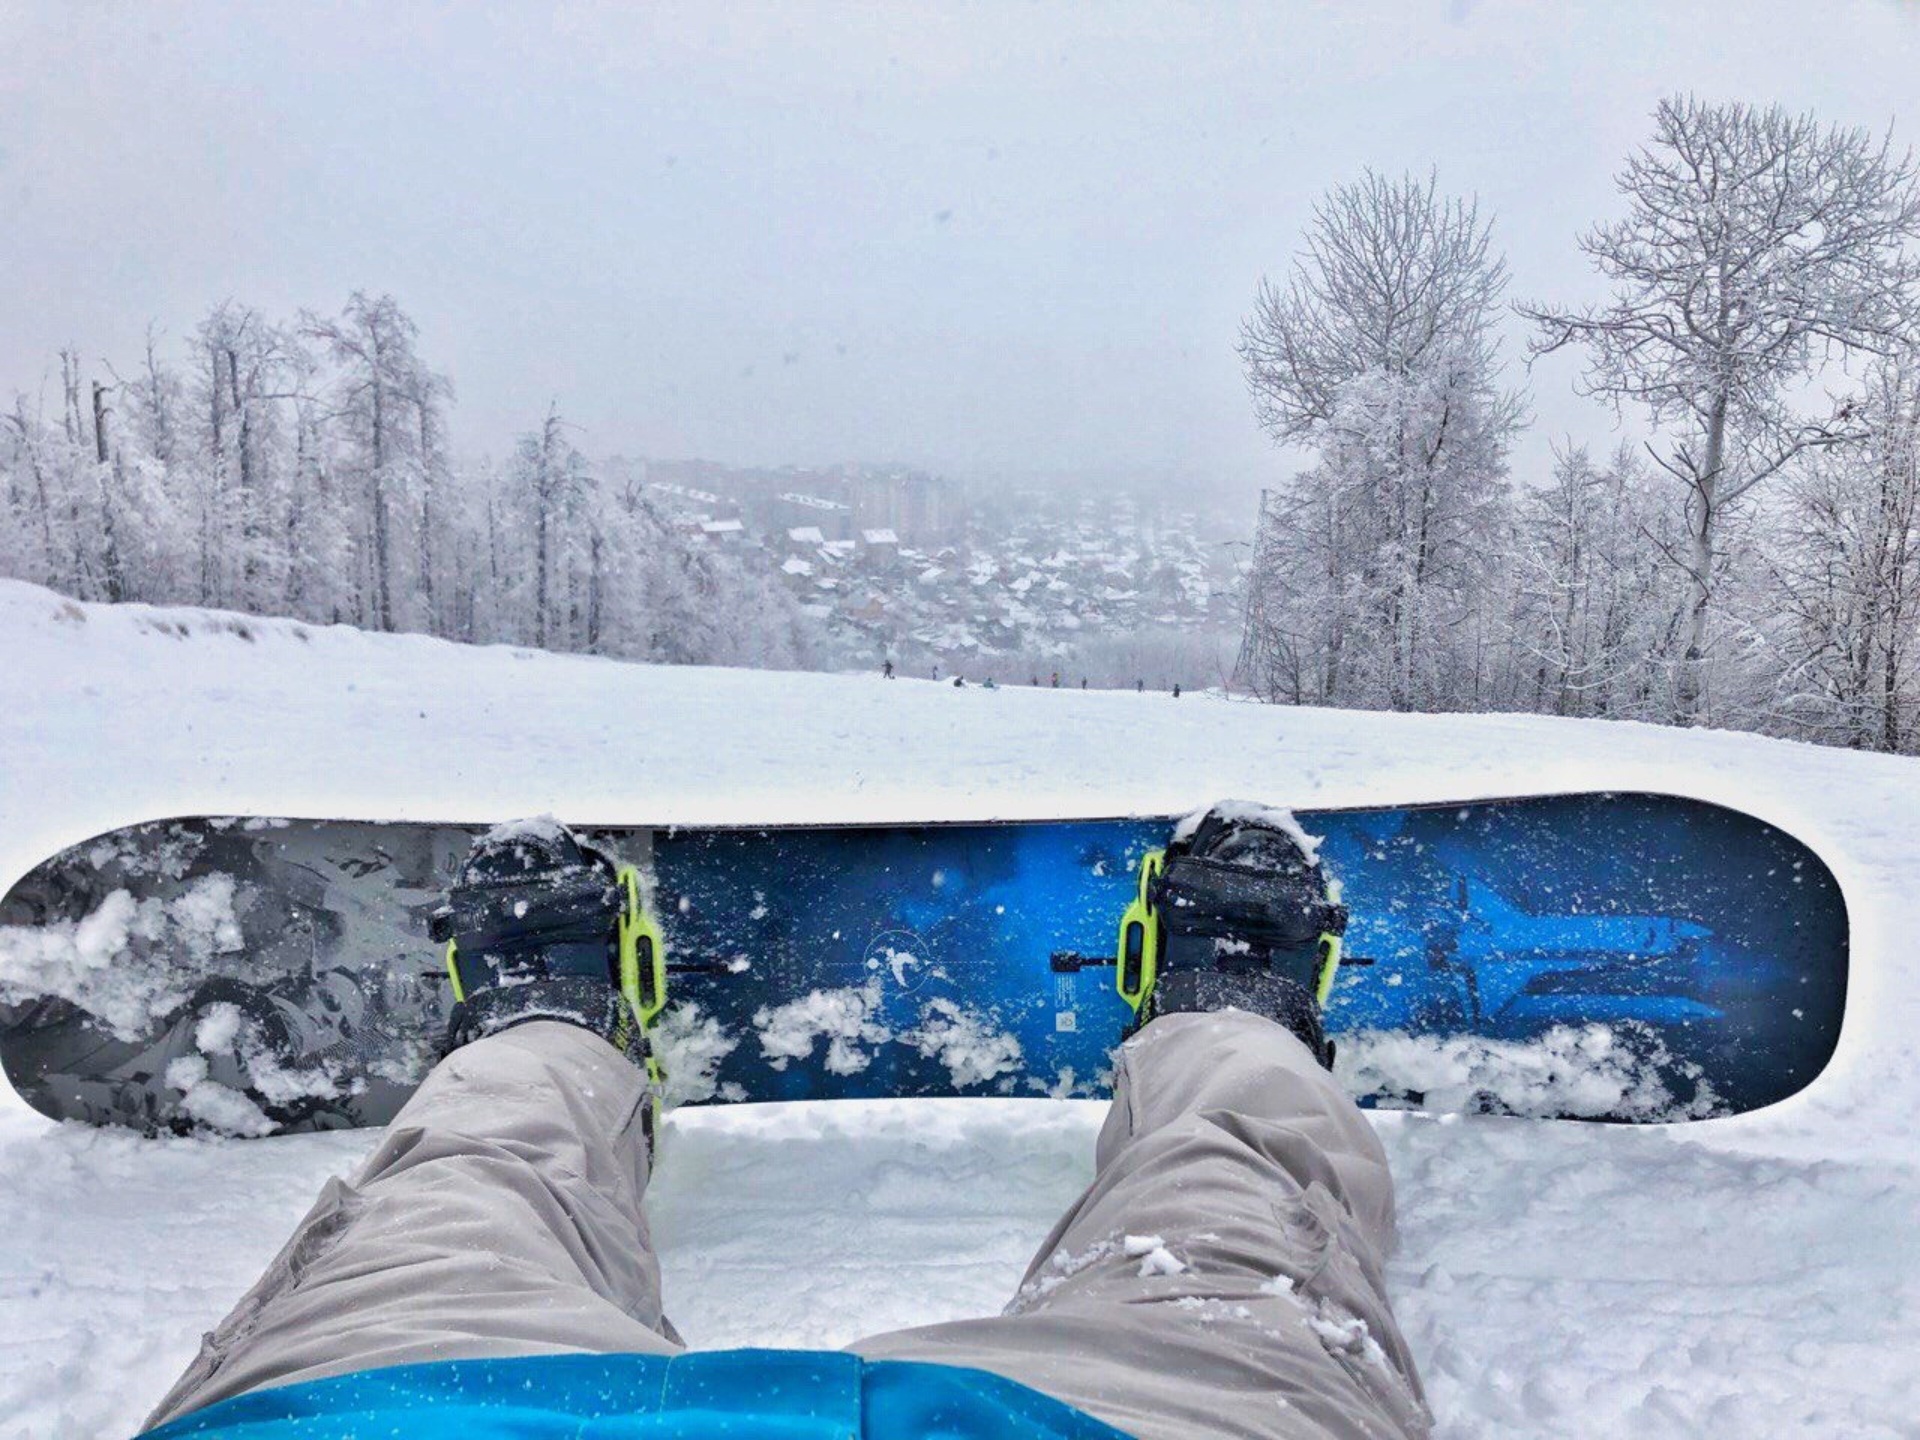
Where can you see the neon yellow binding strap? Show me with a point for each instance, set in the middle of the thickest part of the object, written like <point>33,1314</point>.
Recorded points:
<point>643,969</point>
<point>453,971</point>
<point>1137,953</point>
<point>1330,950</point>
<point>1329,967</point>
<point>643,954</point>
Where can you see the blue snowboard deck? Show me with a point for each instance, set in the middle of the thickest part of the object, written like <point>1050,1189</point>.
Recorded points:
<point>1609,957</point>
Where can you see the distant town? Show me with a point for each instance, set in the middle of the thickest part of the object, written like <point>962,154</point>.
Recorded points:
<point>1014,585</point>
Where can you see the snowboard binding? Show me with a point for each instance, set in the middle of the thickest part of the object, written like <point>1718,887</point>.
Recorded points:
<point>539,925</point>
<point>1234,911</point>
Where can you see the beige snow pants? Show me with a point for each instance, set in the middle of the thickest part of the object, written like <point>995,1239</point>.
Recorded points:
<point>1220,1277</point>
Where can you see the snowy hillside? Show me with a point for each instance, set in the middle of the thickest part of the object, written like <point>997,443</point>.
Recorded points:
<point>1758,1276</point>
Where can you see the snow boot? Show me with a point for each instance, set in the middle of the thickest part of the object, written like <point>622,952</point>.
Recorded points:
<point>1235,913</point>
<point>540,925</point>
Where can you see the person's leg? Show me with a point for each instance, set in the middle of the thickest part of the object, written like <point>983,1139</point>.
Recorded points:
<point>500,1215</point>
<point>1221,1276</point>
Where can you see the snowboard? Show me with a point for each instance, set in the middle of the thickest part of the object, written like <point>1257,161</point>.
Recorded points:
<point>1611,957</point>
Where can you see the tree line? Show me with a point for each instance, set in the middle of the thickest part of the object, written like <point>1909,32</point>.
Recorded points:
<point>1755,563</point>
<point>302,468</point>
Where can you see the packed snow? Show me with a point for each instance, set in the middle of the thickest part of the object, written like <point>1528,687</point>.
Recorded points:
<point>691,1044</point>
<point>1571,1070</point>
<point>1154,1256</point>
<point>965,1042</point>
<point>962,1039</point>
<point>1755,1276</point>
<point>77,961</point>
<point>841,1018</point>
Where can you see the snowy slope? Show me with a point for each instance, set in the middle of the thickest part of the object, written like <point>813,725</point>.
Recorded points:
<point>1758,1276</point>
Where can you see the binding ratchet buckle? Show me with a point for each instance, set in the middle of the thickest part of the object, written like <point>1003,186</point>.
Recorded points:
<point>643,953</point>
<point>1138,954</point>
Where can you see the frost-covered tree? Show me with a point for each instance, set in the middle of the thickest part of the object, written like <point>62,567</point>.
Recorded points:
<point>549,485</point>
<point>1757,247</point>
<point>246,373</point>
<point>1379,358</point>
<point>1298,610</point>
<point>63,492</point>
<point>1596,611</point>
<point>1845,650</point>
<point>427,398</point>
<point>152,449</point>
<point>306,470</point>
<point>32,547</point>
<point>384,390</point>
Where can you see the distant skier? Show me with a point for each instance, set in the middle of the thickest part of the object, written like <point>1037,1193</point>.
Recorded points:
<point>1056,679</point>
<point>1176,689</point>
<point>989,685</point>
<point>886,668</point>
<point>1139,687</point>
<point>959,682</point>
<point>1083,682</point>
<point>487,1272</point>
<point>1035,682</point>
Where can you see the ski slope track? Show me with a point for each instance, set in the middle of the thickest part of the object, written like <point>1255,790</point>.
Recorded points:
<point>1756,1276</point>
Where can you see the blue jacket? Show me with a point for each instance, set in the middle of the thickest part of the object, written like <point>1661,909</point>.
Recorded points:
<point>703,1395</point>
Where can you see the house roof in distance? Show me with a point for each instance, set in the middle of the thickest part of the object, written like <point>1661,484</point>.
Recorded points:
<point>810,502</point>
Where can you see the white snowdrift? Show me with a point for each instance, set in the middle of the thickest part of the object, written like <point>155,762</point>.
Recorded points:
<point>79,961</point>
<point>1758,1276</point>
<point>1571,1070</point>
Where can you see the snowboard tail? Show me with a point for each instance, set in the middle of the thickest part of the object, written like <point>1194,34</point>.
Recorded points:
<point>1604,957</point>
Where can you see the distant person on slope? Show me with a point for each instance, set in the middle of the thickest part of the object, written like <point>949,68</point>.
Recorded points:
<point>487,1272</point>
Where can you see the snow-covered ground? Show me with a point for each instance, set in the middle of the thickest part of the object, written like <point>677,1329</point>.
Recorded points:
<point>1758,1276</point>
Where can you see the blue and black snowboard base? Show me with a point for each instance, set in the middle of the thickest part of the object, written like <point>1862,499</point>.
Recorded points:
<point>1605,957</point>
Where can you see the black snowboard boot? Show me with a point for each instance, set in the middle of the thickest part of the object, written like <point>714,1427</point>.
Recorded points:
<point>1274,996</point>
<point>532,926</point>
<point>1247,920</point>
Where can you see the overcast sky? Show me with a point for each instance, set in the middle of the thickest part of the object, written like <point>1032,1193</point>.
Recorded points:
<point>1001,237</point>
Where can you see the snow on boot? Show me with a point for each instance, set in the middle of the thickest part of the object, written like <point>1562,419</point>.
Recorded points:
<point>533,924</point>
<point>1236,913</point>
